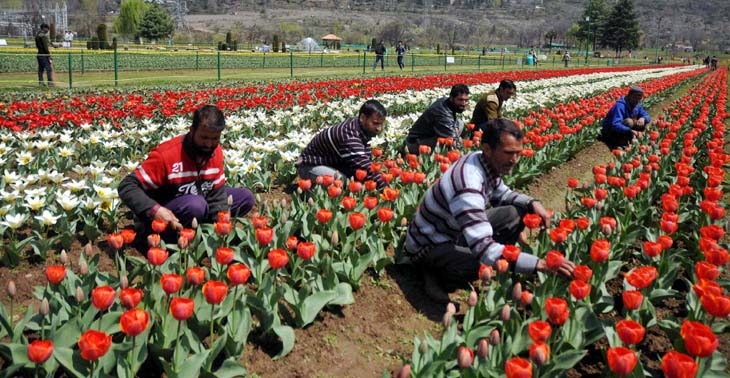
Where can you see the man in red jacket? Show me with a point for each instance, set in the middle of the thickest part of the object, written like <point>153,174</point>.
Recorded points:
<point>183,178</point>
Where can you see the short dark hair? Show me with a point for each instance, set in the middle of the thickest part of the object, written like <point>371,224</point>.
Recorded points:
<point>371,107</point>
<point>210,116</point>
<point>44,26</point>
<point>459,89</point>
<point>507,84</point>
<point>492,131</point>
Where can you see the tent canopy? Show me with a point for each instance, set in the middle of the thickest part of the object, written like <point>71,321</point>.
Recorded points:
<point>331,37</point>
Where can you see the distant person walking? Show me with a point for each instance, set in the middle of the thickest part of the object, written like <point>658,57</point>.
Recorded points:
<point>380,56</point>
<point>42,43</point>
<point>713,62</point>
<point>401,50</point>
<point>566,59</point>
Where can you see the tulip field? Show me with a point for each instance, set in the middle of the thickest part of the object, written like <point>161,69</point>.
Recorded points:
<point>647,232</point>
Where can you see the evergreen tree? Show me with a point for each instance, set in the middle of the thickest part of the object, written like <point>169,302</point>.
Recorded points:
<point>622,28</point>
<point>156,23</point>
<point>599,12</point>
<point>101,36</point>
<point>130,16</point>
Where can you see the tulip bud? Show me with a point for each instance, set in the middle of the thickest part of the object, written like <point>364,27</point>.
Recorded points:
<point>310,202</point>
<point>229,201</point>
<point>11,289</point>
<point>502,265</point>
<point>88,249</point>
<point>83,268</point>
<point>446,321</point>
<point>284,203</point>
<point>80,296</point>
<point>64,257</point>
<point>606,229</point>
<point>194,224</point>
<point>451,307</point>
<point>526,298</point>
<point>517,291</point>
<point>472,301</point>
<point>599,206</point>
<point>284,217</point>
<point>494,337</point>
<point>45,307</point>
<point>423,347</point>
<point>405,371</point>
<point>335,238</point>
<point>124,282</point>
<point>464,357</point>
<point>486,273</point>
<point>403,222</point>
<point>153,240</point>
<point>504,315</point>
<point>182,242</point>
<point>483,348</point>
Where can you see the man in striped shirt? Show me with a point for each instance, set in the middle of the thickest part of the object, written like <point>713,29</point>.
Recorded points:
<point>342,149</point>
<point>468,216</point>
<point>183,178</point>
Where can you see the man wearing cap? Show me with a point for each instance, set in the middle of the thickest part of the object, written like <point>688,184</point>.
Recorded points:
<point>489,106</point>
<point>452,233</point>
<point>625,120</point>
<point>42,43</point>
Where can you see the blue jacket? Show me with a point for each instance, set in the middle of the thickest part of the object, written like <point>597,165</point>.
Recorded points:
<point>619,111</point>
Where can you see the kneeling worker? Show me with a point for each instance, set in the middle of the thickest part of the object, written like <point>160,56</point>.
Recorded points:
<point>626,120</point>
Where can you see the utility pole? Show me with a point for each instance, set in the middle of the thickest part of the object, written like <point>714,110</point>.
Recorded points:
<point>588,36</point>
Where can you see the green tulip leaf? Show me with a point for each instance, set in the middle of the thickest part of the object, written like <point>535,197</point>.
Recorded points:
<point>286,335</point>
<point>72,362</point>
<point>229,369</point>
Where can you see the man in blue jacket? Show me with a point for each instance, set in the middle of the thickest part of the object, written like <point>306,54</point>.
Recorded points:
<point>625,120</point>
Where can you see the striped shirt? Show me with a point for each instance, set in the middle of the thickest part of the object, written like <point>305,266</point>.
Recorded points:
<point>455,206</point>
<point>344,147</point>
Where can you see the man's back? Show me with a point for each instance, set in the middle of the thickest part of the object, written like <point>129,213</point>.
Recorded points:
<point>41,43</point>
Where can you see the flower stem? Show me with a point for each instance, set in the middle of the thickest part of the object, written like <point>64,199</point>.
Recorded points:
<point>174,352</point>
<point>212,312</point>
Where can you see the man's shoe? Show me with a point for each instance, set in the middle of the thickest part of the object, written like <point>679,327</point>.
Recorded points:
<point>433,288</point>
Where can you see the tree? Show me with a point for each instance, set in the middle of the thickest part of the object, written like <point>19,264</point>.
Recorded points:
<point>101,36</point>
<point>130,17</point>
<point>156,23</point>
<point>552,34</point>
<point>594,17</point>
<point>622,28</point>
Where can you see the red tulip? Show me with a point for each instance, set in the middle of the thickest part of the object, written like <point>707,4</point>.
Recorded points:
<point>324,215</point>
<point>517,367</point>
<point>224,216</point>
<point>224,255</point>
<point>171,283</point>
<point>134,321</point>
<point>717,256</point>
<point>238,274</point>
<point>215,291</point>
<point>583,273</point>
<point>539,330</point>
<point>567,224</point>
<point>558,235</point>
<point>621,360</point>
<point>94,344</point>
<point>539,353</point>
<point>348,203</point>
<point>712,231</point>
<point>579,289</point>
<point>703,287</point>
<point>259,222</point>
<point>419,177</point>
<point>153,240</point>
<point>55,274</point>
<point>716,305</point>
<point>632,299</point>
<point>699,340</point>
<point>371,185</point>
<point>641,277</point>
<point>678,365</point>
<point>306,250</point>
<point>556,310</point>
<point>532,221</point>
<point>354,186</point>
<point>334,191</point>
<point>222,228</point>
<point>39,351</point>
<point>278,258</point>
<point>159,226</point>
<point>182,308</point>
<point>195,275</point>
<point>305,184</point>
<point>128,235</point>
<point>464,357</point>
<point>588,202</point>
<point>600,193</point>
<point>485,272</point>
<point>385,214</point>
<point>502,265</point>
<point>130,297</point>
<point>357,220</point>
<point>629,331</point>
<point>600,250</point>
<point>573,183</point>
<point>389,194</point>
<point>424,149</point>
<point>264,235</point>
<point>188,234</point>
<point>666,241</point>
<point>157,256</point>
<point>511,253</point>
<point>706,270</point>
<point>328,180</point>
<point>115,240</point>
<point>554,259</point>
<point>360,174</point>
<point>103,297</point>
<point>652,249</point>
<point>668,226</point>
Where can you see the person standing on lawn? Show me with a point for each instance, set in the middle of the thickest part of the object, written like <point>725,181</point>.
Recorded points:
<point>489,106</point>
<point>341,150</point>
<point>401,50</point>
<point>439,121</point>
<point>380,56</point>
<point>452,233</point>
<point>625,120</point>
<point>43,43</point>
<point>183,178</point>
